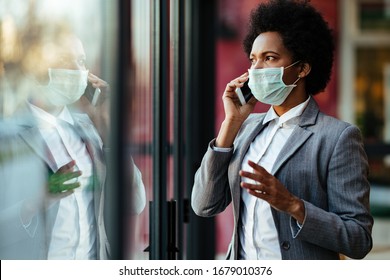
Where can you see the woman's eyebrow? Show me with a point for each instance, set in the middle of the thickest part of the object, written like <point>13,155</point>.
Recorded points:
<point>264,53</point>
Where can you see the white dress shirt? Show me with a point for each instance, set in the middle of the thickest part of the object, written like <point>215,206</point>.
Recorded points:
<point>257,231</point>
<point>74,232</point>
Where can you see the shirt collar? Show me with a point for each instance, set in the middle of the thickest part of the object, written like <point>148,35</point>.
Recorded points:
<point>49,118</point>
<point>290,114</point>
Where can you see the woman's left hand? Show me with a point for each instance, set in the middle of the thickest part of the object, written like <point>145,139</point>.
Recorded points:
<point>270,189</point>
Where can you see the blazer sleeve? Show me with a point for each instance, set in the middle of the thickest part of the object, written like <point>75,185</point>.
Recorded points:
<point>211,193</point>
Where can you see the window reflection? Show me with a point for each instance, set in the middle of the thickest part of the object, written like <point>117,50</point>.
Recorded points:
<point>55,95</point>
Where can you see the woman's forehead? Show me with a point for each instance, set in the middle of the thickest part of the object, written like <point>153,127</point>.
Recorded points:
<point>268,41</point>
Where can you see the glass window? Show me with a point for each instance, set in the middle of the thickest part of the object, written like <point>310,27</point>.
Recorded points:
<point>105,110</point>
<point>372,107</point>
<point>366,63</point>
<point>372,63</point>
<point>58,80</point>
<point>140,130</point>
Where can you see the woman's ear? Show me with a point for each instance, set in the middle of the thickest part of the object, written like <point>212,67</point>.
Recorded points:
<point>305,70</point>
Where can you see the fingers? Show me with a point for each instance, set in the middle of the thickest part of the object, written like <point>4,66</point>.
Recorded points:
<point>258,187</point>
<point>253,176</point>
<point>259,190</point>
<point>61,178</point>
<point>67,167</point>
<point>242,79</point>
<point>261,178</point>
<point>265,186</point>
<point>238,82</point>
<point>258,168</point>
<point>259,174</point>
<point>62,181</point>
<point>65,179</point>
<point>96,81</point>
<point>61,188</point>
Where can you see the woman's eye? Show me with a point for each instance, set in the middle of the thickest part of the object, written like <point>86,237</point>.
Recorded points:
<point>269,58</point>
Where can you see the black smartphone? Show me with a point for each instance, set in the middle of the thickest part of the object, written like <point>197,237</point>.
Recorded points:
<point>244,93</point>
<point>92,94</point>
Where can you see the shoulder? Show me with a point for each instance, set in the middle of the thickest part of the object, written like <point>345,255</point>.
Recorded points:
<point>327,120</point>
<point>331,131</point>
<point>332,124</point>
<point>315,119</point>
<point>12,127</point>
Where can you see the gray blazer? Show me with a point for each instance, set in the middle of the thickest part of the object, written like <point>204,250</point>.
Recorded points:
<point>26,155</point>
<point>323,163</point>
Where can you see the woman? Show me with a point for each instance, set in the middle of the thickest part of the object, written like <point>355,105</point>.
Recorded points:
<point>297,178</point>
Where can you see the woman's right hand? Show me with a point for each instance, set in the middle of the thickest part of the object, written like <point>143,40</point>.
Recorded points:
<point>235,113</point>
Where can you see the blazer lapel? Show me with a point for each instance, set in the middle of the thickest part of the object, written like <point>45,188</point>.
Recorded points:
<point>299,136</point>
<point>30,133</point>
<point>297,139</point>
<point>33,138</point>
<point>246,139</point>
<point>89,135</point>
<point>242,145</point>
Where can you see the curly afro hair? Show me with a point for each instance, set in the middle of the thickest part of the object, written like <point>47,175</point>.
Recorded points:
<point>304,33</point>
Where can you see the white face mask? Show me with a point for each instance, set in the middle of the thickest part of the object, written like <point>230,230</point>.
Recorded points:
<point>267,85</point>
<point>65,86</point>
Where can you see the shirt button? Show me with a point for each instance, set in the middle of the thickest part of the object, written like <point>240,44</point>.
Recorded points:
<point>285,245</point>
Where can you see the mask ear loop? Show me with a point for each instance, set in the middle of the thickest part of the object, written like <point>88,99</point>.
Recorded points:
<point>292,64</point>
<point>299,77</point>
